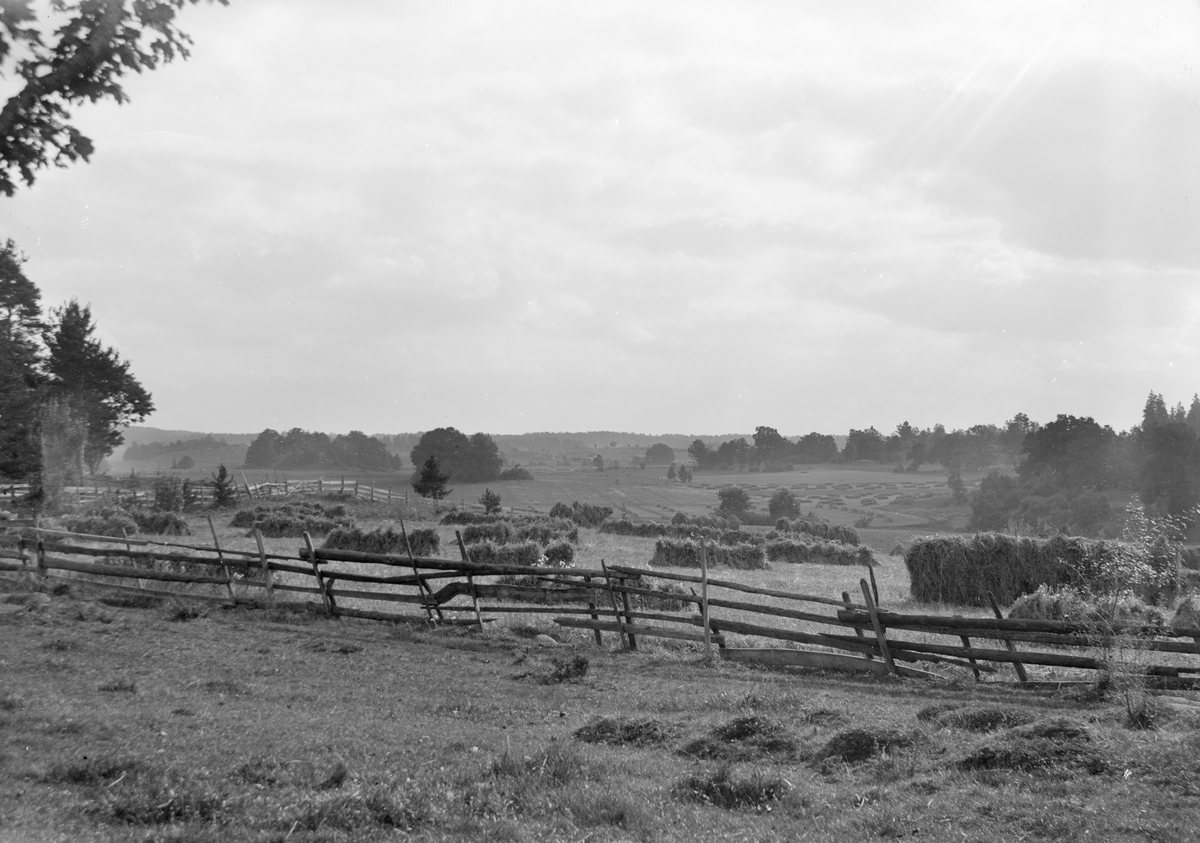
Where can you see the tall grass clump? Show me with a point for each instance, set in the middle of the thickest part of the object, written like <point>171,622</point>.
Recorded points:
<point>162,523</point>
<point>378,540</point>
<point>102,521</point>
<point>498,532</point>
<point>293,519</point>
<point>514,553</point>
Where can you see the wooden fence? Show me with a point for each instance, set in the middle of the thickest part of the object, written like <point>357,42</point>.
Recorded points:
<point>815,631</point>
<point>119,490</point>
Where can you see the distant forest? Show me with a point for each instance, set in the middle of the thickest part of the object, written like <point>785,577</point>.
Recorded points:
<point>302,449</point>
<point>152,450</point>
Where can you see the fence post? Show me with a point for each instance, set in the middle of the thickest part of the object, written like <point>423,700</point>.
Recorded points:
<point>268,577</point>
<point>704,601</point>
<point>858,632</point>
<point>326,596</point>
<point>422,586</point>
<point>470,580</point>
<point>1022,676</point>
<point>883,645</point>
<point>221,556</point>
<point>320,485</point>
<point>595,617</point>
<point>612,597</point>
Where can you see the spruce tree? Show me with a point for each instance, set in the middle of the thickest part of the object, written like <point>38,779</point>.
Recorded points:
<point>432,483</point>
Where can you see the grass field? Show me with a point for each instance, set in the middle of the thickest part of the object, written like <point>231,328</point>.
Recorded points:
<point>129,718</point>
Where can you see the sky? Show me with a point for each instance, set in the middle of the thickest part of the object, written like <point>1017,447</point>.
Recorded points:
<point>684,217</point>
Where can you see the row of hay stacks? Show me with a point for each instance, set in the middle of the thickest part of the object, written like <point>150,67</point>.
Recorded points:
<point>964,570</point>
<point>685,553</point>
<point>818,529</point>
<point>822,553</point>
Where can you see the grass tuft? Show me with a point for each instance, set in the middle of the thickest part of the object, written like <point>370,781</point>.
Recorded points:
<point>855,745</point>
<point>119,686</point>
<point>721,789</point>
<point>626,731</point>
<point>744,739</point>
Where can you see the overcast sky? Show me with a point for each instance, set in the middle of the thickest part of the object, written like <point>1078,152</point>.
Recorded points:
<point>654,217</point>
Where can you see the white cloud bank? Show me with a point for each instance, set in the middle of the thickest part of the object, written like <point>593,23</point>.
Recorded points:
<point>674,216</point>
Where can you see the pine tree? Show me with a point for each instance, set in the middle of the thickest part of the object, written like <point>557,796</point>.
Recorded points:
<point>432,483</point>
<point>490,501</point>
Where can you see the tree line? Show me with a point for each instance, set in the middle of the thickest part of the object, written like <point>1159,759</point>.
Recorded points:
<point>304,449</point>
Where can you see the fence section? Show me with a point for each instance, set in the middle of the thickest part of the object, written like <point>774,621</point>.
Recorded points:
<point>815,631</point>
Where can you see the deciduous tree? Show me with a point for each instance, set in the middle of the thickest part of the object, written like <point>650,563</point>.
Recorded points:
<point>55,59</point>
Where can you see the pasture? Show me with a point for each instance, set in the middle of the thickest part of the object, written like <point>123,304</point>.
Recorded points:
<point>129,717</point>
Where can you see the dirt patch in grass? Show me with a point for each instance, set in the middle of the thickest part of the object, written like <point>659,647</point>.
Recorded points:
<point>566,670</point>
<point>722,789</point>
<point>745,739</point>
<point>1058,744</point>
<point>90,771</point>
<point>857,745</point>
<point>627,731</point>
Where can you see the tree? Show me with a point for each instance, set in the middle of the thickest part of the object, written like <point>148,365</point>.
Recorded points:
<point>863,445</point>
<point>431,483</point>
<point>671,472</point>
<point>699,451</point>
<point>20,378</point>
<point>783,505</point>
<point>815,447</point>
<point>733,499</point>
<point>466,459</point>
<point>94,381</point>
<point>995,501</point>
<point>598,461</point>
<point>659,454</point>
<point>265,450</point>
<point>224,491</point>
<point>917,454</point>
<point>770,445</point>
<point>490,501</point>
<point>57,61</point>
<point>684,474</point>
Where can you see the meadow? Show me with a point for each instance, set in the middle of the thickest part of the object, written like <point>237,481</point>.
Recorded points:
<point>126,716</point>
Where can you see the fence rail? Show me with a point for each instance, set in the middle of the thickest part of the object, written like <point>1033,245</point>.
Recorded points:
<point>632,603</point>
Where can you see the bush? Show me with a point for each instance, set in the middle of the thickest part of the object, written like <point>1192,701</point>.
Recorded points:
<point>168,494</point>
<point>497,531</point>
<point>515,473</point>
<point>733,499</point>
<point>490,502</point>
<point>546,532</point>
<point>1067,604</point>
<point>424,541</point>
<point>102,521</point>
<point>380,540</point>
<point>161,523</point>
<point>515,553</point>
<point>583,514</point>
<point>783,505</point>
<point>561,554</point>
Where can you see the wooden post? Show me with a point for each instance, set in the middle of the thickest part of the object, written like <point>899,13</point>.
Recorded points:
<point>356,490</point>
<point>462,548</point>
<point>966,642</point>
<point>326,596</point>
<point>595,617</point>
<point>246,483</point>
<point>343,491</point>
<point>372,488</point>
<point>286,490</point>
<point>141,583</point>
<point>1022,676</point>
<point>874,586</point>
<point>857,631</point>
<point>389,494</point>
<point>268,577</point>
<point>221,556</point>
<point>883,645</point>
<point>422,586</point>
<point>41,558</point>
<point>320,484</point>
<point>704,601</point>
<point>612,596</point>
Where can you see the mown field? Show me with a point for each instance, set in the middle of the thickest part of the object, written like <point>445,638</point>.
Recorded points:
<point>127,717</point>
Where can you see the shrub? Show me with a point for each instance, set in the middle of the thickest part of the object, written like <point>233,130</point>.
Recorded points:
<point>783,505</point>
<point>168,494</point>
<point>497,531</point>
<point>515,553</point>
<point>515,473</point>
<point>424,541</point>
<point>102,521</point>
<point>164,523</point>
<point>722,790</point>
<point>547,532</point>
<point>379,540</point>
<point>583,514</point>
<point>733,499</point>
<point>561,554</point>
<point>679,518</point>
<point>490,502</point>
<point>224,490</point>
<point>1068,604</point>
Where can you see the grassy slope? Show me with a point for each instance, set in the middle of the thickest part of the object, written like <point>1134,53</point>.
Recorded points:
<point>250,725</point>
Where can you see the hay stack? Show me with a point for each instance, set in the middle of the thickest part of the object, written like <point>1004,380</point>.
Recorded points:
<point>685,553</point>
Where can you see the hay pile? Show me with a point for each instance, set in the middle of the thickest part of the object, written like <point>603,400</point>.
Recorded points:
<point>685,553</point>
<point>496,531</point>
<point>964,569</point>
<point>819,529</point>
<point>821,553</point>
<point>513,553</point>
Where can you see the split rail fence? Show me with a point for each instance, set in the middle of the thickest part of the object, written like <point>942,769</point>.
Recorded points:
<point>810,631</point>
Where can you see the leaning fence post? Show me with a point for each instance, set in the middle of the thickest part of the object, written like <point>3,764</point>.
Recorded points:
<point>268,577</point>
<point>1012,648</point>
<point>857,630</point>
<point>221,556</point>
<point>612,597</point>
<point>595,617</point>
<point>883,645</point>
<point>326,594</point>
<point>470,580</point>
<point>422,586</point>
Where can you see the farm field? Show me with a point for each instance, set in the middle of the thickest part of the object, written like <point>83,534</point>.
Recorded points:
<point>127,717</point>
<point>900,506</point>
